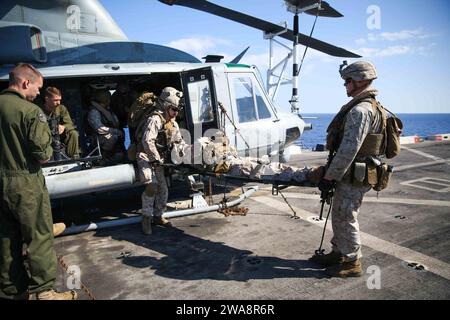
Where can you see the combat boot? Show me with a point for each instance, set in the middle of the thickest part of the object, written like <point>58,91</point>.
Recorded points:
<point>346,269</point>
<point>146,224</point>
<point>160,221</point>
<point>55,295</point>
<point>329,259</point>
<point>58,228</point>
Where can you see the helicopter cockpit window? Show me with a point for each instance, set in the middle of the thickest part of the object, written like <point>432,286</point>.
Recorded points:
<point>243,91</point>
<point>200,101</point>
<point>263,110</point>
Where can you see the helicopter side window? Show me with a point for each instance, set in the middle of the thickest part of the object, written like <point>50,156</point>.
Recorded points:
<point>200,101</point>
<point>263,111</point>
<point>243,90</point>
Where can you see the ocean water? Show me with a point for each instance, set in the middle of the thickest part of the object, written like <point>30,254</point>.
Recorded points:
<point>423,125</point>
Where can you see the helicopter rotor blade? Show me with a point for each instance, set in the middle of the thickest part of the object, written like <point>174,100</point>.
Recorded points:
<point>263,25</point>
<point>239,56</point>
<point>325,11</point>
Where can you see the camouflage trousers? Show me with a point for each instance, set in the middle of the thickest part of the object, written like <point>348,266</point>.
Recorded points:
<point>346,236</point>
<point>257,168</point>
<point>156,193</point>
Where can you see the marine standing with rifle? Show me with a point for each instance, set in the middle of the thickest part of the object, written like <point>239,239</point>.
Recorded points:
<point>354,135</point>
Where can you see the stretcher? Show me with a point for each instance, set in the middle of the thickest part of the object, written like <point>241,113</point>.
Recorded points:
<point>274,180</point>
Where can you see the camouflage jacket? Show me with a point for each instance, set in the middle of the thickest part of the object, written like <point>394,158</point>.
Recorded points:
<point>358,123</point>
<point>25,137</point>
<point>153,129</point>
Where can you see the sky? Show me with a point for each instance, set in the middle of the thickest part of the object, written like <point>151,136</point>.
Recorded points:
<point>407,40</point>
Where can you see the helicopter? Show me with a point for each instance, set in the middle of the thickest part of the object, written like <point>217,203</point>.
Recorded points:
<point>79,48</point>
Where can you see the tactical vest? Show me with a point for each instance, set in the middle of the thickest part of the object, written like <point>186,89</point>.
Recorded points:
<point>163,139</point>
<point>373,145</point>
<point>107,117</point>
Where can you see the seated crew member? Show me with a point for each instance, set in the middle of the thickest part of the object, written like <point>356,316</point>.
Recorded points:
<point>106,127</point>
<point>60,122</point>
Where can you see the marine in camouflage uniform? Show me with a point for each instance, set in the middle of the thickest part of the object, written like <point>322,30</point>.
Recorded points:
<point>347,139</point>
<point>106,127</point>
<point>25,212</point>
<point>58,113</point>
<point>160,135</point>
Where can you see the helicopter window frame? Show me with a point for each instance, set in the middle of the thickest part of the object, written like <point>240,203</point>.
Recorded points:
<point>259,110</point>
<point>244,97</point>
<point>202,99</point>
<point>261,106</point>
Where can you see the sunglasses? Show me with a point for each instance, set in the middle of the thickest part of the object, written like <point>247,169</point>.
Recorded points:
<point>347,81</point>
<point>174,109</point>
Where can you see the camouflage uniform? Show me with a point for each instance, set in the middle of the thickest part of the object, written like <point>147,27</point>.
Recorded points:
<point>358,122</point>
<point>220,157</point>
<point>70,134</point>
<point>159,137</point>
<point>25,212</point>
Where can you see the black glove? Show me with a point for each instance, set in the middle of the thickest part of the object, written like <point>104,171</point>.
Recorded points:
<point>325,186</point>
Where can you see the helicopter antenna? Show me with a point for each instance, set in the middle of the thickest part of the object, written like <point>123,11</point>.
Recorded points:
<point>271,31</point>
<point>316,7</point>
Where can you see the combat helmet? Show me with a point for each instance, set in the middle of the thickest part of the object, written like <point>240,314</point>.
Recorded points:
<point>358,71</point>
<point>171,97</point>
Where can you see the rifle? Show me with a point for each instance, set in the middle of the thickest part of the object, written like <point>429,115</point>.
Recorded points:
<point>325,196</point>
<point>53,123</point>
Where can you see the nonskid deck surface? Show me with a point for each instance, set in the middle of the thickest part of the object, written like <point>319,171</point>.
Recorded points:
<point>264,254</point>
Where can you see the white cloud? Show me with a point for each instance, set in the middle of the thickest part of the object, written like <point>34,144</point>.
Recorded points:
<point>408,48</point>
<point>418,33</point>
<point>385,52</point>
<point>199,45</point>
<point>261,60</point>
<point>360,41</point>
<point>425,50</point>
<point>396,51</point>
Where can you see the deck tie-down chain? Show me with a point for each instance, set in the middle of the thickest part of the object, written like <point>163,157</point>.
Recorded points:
<point>233,211</point>
<point>65,267</point>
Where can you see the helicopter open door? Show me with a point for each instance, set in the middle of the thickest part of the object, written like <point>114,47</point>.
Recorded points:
<point>201,101</point>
